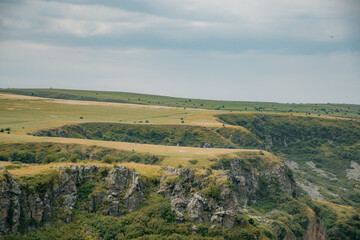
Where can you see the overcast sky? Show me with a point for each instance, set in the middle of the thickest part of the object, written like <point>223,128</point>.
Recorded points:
<point>249,50</point>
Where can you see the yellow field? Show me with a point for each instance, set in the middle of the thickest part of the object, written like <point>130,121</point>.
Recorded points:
<point>24,114</point>
<point>33,169</point>
<point>3,164</point>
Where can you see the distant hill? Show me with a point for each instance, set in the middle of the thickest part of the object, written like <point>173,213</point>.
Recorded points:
<point>337,110</point>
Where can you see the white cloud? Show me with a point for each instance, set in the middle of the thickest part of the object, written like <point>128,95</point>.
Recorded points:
<point>314,20</point>
<point>247,76</point>
<point>210,45</point>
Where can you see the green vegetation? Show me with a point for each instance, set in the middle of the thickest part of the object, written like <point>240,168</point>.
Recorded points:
<point>331,144</point>
<point>154,220</point>
<point>343,110</point>
<point>39,184</point>
<point>44,153</point>
<point>341,222</point>
<point>213,191</point>
<point>323,150</point>
<point>322,147</point>
<point>171,135</point>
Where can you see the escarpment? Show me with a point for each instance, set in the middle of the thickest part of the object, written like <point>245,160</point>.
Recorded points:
<point>219,198</point>
<point>29,205</point>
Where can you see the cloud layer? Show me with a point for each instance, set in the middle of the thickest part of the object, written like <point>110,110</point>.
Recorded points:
<point>288,51</point>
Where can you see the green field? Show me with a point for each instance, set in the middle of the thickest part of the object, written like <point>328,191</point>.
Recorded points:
<point>338,110</point>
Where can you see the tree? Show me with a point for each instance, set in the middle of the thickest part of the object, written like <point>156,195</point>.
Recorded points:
<point>98,133</point>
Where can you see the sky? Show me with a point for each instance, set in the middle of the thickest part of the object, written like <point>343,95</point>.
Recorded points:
<point>291,51</point>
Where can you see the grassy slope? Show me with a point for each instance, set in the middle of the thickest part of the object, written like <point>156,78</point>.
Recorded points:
<point>24,114</point>
<point>344,110</point>
<point>170,135</point>
<point>330,144</point>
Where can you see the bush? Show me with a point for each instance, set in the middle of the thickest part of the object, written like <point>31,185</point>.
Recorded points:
<point>4,157</point>
<point>213,192</point>
<point>166,213</point>
<point>203,228</point>
<point>10,167</point>
<point>98,134</point>
<point>74,158</point>
<point>49,158</point>
<point>193,161</point>
<point>151,159</point>
<point>108,159</point>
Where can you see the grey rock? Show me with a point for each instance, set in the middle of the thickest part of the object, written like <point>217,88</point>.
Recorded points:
<point>184,189</point>
<point>123,192</point>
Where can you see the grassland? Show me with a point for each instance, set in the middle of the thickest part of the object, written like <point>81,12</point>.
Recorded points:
<point>325,134</point>
<point>338,110</point>
<point>23,114</point>
<point>34,169</point>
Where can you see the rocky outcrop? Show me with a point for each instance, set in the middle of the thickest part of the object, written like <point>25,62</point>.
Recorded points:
<point>249,182</point>
<point>215,198</point>
<point>354,171</point>
<point>57,132</point>
<point>195,195</point>
<point>23,209</point>
<point>199,197</point>
<point>10,198</point>
<point>123,193</point>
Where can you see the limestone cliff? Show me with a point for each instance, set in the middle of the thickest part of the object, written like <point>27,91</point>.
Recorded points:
<point>219,197</point>
<point>23,208</point>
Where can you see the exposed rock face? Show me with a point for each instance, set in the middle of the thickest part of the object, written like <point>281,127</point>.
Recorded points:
<point>10,198</point>
<point>190,201</point>
<point>21,210</point>
<point>312,190</point>
<point>58,132</point>
<point>120,184</point>
<point>249,181</point>
<point>210,197</point>
<point>187,191</point>
<point>354,171</point>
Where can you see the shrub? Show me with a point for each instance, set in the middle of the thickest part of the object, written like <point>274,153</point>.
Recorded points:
<point>49,158</point>
<point>203,228</point>
<point>193,161</point>
<point>10,167</point>
<point>166,213</point>
<point>213,192</point>
<point>4,157</point>
<point>14,156</point>
<point>151,159</point>
<point>98,134</point>
<point>74,158</point>
<point>108,159</point>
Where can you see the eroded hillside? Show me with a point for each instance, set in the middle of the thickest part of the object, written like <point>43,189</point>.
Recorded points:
<point>101,170</point>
